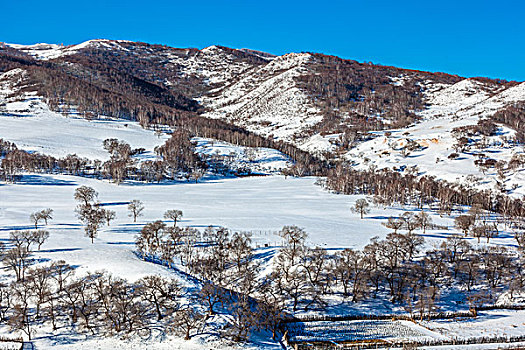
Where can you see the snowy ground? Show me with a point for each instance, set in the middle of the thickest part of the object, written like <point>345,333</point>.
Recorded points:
<point>259,204</point>
<point>259,160</point>
<point>487,324</point>
<point>262,205</point>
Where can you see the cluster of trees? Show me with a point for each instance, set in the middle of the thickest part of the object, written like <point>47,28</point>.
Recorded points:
<point>177,158</point>
<point>6,147</point>
<point>225,264</point>
<point>395,268</point>
<point>95,302</point>
<point>484,127</point>
<point>101,304</point>
<point>514,117</point>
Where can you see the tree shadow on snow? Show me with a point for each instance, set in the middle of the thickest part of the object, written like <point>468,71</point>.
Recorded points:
<point>59,250</point>
<point>113,204</point>
<point>43,181</point>
<point>17,228</point>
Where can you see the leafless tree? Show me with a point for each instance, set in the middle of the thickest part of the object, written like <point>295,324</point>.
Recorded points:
<point>423,220</point>
<point>22,317</point>
<point>464,223</point>
<point>174,215</point>
<point>361,207</point>
<point>85,195</point>
<point>270,309</point>
<point>40,236</point>
<point>34,218</point>
<point>394,224</point>
<point>161,293</point>
<point>410,221</point>
<point>109,215</point>
<point>211,295</point>
<point>135,208</point>
<point>187,320</point>
<point>93,218</point>
<point>39,280</point>
<point>243,322</point>
<point>46,214</point>
<point>294,241</point>
<point>17,259</point>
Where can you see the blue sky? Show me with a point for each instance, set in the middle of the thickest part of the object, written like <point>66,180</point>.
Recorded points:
<point>469,38</point>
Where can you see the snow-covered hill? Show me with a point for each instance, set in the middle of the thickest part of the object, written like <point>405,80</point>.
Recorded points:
<point>27,120</point>
<point>267,101</point>
<point>309,100</point>
<point>450,107</point>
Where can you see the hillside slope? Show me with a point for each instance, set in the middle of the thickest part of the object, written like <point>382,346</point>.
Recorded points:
<point>330,107</point>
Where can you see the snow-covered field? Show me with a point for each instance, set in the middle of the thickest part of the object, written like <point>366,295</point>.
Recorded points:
<point>259,204</point>
<point>360,330</point>
<point>487,324</point>
<point>36,128</point>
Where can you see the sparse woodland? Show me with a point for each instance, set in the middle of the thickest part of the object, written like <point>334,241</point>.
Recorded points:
<point>227,274</point>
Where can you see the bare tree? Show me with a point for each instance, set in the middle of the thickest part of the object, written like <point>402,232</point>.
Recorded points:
<point>188,320</point>
<point>394,224</point>
<point>109,215</point>
<point>46,214</point>
<point>423,220</point>
<point>361,207</point>
<point>294,240</point>
<point>6,301</point>
<point>270,309</point>
<point>85,194</point>
<point>17,259</point>
<point>26,236</point>
<point>211,295</point>
<point>93,218</point>
<point>40,236</point>
<point>135,208</point>
<point>34,218</point>
<point>174,215</point>
<point>410,221</point>
<point>39,280</point>
<point>22,317</point>
<point>464,223</point>
<point>240,249</point>
<point>243,321</point>
<point>161,293</point>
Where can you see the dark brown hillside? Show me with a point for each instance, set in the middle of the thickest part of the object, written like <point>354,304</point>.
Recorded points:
<point>362,96</point>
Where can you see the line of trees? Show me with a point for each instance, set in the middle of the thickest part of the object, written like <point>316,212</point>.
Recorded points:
<point>176,158</point>
<point>390,187</point>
